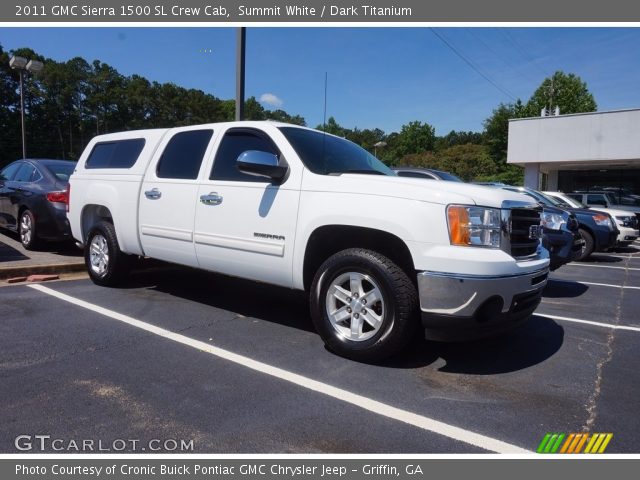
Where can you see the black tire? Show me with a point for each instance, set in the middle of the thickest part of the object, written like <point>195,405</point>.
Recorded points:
<point>589,245</point>
<point>397,311</point>
<point>27,230</point>
<point>117,265</point>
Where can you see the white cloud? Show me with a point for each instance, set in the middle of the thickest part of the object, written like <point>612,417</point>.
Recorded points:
<point>271,100</point>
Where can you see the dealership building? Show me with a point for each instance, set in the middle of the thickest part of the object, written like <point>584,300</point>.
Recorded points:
<point>578,151</point>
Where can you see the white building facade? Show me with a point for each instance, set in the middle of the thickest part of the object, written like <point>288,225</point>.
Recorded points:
<point>587,151</point>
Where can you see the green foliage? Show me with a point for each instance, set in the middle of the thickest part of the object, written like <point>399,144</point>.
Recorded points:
<point>566,91</point>
<point>458,138</point>
<point>469,161</point>
<point>509,174</point>
<point>414,137</point>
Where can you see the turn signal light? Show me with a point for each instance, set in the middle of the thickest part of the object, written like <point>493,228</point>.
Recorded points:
<point>459,225</point>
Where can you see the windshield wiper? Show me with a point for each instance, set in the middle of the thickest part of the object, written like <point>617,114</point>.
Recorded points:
<point>355,170</point>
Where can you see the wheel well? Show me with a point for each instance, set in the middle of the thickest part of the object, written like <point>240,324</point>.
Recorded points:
<point>91,215</point>
<point>330,239</point>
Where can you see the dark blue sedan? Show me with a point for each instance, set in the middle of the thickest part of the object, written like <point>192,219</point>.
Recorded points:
<point>34,197</point>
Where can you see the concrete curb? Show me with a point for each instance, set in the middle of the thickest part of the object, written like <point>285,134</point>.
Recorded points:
<point>25,271</point>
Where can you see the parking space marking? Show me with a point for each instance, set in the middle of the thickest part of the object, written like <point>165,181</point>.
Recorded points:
<point>596,284</point>
<point>588,322</point>
<point>575,264</point>
<point>365,403</point>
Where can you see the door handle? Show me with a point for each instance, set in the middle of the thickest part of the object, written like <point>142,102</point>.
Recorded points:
<point>153,194</point>
<point>212,199</point>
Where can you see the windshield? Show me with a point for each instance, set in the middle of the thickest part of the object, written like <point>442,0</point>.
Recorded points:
<point>61,171</point>
<point>325,154</point>
<point>450,177</point>
<point>534,194</point>
<point>567,201</point>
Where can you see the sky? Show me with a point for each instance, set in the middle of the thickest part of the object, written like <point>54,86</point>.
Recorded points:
<point>451,78</point>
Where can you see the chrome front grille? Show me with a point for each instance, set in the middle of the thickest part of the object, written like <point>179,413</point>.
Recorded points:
<point>522,232</point>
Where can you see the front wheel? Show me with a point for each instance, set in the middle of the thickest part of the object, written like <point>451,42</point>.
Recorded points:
<point>363,305</point>
<point>106,263</point>
<point>587,247</point>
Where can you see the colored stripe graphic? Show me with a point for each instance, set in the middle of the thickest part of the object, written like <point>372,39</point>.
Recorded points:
<point>574,443</point>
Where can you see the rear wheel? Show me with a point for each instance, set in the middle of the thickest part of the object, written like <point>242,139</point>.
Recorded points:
<point>587,248</point>
<point>106,263</point>
<point>27,230</point>
<point>363,305</point>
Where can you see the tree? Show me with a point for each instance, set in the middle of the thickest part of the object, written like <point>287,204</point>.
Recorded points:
<point>467,161</point>
<point>332,127</point>
<point>458,138</point>
<point>414,137</point>
<point>566,91</point>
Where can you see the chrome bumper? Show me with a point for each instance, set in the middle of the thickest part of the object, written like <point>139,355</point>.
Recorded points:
<point>472,306</point>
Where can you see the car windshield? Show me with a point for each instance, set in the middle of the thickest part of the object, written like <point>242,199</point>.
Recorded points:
<point>450,177</point>
<point>541,198</point>
<point>568,201</point>
<point>61,171</point>
<point>325,154</point>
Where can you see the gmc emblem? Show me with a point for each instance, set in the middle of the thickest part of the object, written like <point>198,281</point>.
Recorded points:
<point>535,232</point>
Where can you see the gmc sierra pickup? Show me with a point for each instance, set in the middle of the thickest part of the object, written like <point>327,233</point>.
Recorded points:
<point>296,207</point>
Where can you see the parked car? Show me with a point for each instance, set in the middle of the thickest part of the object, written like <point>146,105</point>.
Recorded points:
<point>597,229</point>
<point>603,198</point>
<point>34,197</point>
<point>426,173</point>
<point>626,221</point>
<point>299,208</point>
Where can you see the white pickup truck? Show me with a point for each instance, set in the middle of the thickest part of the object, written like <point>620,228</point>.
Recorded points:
<point>295,207</point>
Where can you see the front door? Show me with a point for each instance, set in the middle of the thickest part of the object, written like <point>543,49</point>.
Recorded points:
<point>244,224</point>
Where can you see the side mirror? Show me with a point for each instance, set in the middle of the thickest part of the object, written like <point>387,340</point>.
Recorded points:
<point>261,164</point>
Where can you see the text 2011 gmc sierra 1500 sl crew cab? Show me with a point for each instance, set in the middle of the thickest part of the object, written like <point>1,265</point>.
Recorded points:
<point>295,207</point>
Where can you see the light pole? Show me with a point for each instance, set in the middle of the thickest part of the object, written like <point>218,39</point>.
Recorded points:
<point>377,145</point>
<point>21,64</point>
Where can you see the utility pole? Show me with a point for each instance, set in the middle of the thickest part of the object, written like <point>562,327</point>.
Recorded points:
<point>240,57</point>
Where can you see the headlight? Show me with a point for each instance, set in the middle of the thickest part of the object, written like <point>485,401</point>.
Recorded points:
<point>624,221</point>
<point>602,220</point>
<point>477,226</point>
<point>553,221</point>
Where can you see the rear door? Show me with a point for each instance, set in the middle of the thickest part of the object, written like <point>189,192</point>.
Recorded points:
<point>245,225</point>
<point>169,194</point>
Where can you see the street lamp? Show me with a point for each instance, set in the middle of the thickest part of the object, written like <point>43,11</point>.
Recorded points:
<point>380,144</point>
<point>21,64</point>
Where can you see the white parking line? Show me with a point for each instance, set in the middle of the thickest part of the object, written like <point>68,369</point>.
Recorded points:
<point>576,264</point>
<point>379,408</point>
<point>588,322</point>
<point>596,284</point>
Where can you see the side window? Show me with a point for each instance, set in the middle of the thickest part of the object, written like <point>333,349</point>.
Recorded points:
<point>233,144</point>
<point>117,154</point>
<point>596,200</point>
<point>25,173</point>
<point>183,155</point>
<point>7,173</point>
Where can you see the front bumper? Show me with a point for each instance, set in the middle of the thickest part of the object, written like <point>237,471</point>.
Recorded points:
<point>564,246</point>
<point>605,239</point>
<point>464,307</point>
<point>627,235</point>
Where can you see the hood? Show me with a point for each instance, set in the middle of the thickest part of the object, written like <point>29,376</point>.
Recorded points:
<point>585,211</point>
<point>615,212</point>
<point>432,191</point>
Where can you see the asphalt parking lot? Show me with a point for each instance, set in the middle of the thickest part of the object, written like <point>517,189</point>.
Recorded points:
<point>236,367</point>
